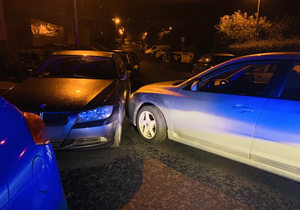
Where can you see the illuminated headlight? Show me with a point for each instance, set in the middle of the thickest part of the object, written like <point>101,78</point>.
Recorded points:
<point>95,114</point>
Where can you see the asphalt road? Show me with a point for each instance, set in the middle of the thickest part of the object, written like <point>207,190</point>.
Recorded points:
<point>169,175</point>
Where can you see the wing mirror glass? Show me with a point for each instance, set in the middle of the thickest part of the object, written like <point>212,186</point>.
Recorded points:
<point>195,86</point>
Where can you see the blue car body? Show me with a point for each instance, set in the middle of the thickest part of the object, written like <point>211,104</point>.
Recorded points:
<point>29,177</point>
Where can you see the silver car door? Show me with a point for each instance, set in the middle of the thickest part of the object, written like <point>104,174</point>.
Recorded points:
<point>219,116</point>
<point>277,135</point>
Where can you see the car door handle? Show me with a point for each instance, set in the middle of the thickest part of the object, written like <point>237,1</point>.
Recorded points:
<point>241,108</point>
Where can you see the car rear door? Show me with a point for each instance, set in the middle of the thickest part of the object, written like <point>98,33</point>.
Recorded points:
<point>222,117</point>
<point>276,139</point>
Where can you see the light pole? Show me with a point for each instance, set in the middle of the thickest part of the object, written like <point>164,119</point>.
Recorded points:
<point>117,20</point>
<point>258,7</point>
<point>76,22</point>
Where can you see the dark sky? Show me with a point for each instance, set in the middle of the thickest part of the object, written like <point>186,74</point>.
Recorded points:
<point>176,9</point>
<point>197,16</point>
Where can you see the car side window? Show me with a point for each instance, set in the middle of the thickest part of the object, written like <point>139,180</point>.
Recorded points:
<point>291,89</point>
<point>249,80</point>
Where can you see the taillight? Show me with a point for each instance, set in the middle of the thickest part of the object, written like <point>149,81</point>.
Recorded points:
<point>37,128</point>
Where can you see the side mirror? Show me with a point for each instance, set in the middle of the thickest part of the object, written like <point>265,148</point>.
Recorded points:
<point>195,86</point>
<point>123,76</point>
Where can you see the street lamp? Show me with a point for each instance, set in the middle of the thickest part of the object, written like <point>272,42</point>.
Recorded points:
<point>117,20</point>
<point>258,7</point>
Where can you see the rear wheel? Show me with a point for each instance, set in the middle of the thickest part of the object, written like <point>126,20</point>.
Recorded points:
<point>151,124</point>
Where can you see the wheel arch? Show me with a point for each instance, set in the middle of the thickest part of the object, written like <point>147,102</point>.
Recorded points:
<point>147,104</point>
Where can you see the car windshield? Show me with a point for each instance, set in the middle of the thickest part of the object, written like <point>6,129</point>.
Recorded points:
<point>71,66</point>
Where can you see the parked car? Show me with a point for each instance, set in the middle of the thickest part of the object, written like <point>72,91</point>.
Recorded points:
<point>137,43</point>
<point>209,60</point>
<point>29,176</point>
<point>135,61</point>
<point>152,50</point>
<point>160,53</point>
<point>80,95</point>
<point>245,109</point>
<point>168,55</point>
<point>183,57</point>
<point>130,60</point>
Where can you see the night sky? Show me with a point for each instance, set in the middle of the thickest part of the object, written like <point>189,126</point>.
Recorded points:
<point>194,18</point>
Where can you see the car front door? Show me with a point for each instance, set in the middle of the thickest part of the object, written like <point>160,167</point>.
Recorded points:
<point>223,110</point>
<point>276,139</point>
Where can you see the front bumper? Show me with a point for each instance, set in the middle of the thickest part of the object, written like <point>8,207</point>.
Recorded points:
<point>95,134</point>
<point>89,137</point>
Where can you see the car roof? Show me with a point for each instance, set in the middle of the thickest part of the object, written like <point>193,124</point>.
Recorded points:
<point>260,56</point>
<point>271,55</point>
<point>85,53</point>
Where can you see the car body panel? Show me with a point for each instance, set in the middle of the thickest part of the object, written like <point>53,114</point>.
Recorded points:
<point>59,94</point>
<point>221,126</point>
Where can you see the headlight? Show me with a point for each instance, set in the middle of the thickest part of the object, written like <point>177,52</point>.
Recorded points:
<point>95,114</point>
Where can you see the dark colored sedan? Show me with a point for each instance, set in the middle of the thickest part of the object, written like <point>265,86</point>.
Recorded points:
<point>131,61</point>
<point>80,95</point>
<point>209,60</point>
<point>29,177</point>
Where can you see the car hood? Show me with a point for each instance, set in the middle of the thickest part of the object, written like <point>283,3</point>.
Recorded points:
<point>169,87</point>
<point>59,94</point>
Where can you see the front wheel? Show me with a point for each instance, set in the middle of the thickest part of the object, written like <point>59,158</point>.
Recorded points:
<point>151,124</point>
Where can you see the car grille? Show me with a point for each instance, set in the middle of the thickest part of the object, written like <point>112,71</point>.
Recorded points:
<point>55,118</point>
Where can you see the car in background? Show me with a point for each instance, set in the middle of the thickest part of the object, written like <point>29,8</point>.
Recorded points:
<point>137,43</point>
<point>29,176</point>
<point>130,61</point>
<point>183,57</point>
<point>152,50</point>
<point>161,52</point>
<point>245,109</point>
<point>80,95</point>
<point>209,60</point>
<point>135,61</point>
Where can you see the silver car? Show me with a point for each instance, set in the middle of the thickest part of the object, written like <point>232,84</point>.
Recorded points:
<point>245,109</point>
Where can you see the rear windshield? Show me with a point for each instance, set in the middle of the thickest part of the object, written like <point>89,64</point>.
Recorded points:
<point>93,67</point>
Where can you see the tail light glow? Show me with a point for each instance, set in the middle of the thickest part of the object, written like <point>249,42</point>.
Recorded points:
<point>37,128</point>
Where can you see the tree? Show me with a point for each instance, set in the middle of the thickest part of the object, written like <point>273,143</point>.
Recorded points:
<point>239,27</point>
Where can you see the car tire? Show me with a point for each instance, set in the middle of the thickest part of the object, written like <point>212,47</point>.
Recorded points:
<point>151,124</point>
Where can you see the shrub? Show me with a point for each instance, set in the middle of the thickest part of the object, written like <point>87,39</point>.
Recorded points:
<point>15,64</point>
<point>262,46</point>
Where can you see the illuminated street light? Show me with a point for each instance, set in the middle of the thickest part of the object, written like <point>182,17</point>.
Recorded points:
<point>117,20</point>
<point>170,28</point>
